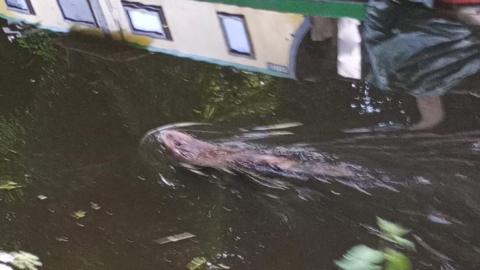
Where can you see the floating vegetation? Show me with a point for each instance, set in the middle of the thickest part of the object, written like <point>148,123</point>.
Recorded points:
<point>9,185</point>
<point>362,257</point>
<point>19,260</point>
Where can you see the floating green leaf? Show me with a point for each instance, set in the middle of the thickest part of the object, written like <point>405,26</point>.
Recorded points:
<point>396,261</point>
<point>361,257</point>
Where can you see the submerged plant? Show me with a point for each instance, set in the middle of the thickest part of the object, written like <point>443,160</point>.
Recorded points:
<point>362,257</point>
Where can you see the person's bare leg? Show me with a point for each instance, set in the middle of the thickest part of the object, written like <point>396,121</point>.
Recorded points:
<point>431,112</point>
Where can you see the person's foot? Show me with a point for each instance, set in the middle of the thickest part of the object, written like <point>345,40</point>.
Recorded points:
<point>431,113</point>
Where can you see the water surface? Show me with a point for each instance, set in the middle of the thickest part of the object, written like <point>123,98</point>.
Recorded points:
<point>70,130</point>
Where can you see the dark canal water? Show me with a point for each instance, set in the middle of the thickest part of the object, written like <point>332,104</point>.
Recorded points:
<point>71,123</point>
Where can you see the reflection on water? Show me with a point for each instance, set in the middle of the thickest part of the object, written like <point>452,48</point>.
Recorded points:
<point>73,110</point>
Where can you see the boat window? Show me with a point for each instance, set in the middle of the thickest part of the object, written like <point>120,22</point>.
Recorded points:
<point>20,5</point>
<point>236,34</point>
<point>147,20</point>
<point>77,11</point>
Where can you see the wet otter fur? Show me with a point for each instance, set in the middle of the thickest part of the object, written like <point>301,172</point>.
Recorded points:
<point>187,149</point>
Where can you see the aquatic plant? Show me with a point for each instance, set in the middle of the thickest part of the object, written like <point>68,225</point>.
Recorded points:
<point>362,257</point>
<point>230,95</point>
<point>19,260</point>
<point>39,43</point>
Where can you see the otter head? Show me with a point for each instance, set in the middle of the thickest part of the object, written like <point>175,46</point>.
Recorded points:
<point>183,146</point>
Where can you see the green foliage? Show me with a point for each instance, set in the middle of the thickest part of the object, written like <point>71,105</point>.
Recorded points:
<point>391,228</point>
<point>396,260</point>
<point>362,257</point>
<point>240,96</point>
<point>394,233</point>
<point>40,44</point>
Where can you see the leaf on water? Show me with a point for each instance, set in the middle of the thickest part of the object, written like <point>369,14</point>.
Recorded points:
<point>396,261</point>
<point>361,257</point>
<point>79,214</point>
<point>42,197</point>
<point>391,228</point>
<point>196,263</point>
<point>9,185</point>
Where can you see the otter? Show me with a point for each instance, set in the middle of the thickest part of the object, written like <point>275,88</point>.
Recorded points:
<point>268,167</point>
<point>187,149</point>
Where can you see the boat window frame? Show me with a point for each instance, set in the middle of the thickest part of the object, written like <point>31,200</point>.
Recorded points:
<point>94,23</point>
<point>29,10</point>
<point>166,35</point>
<point>231,51</point>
